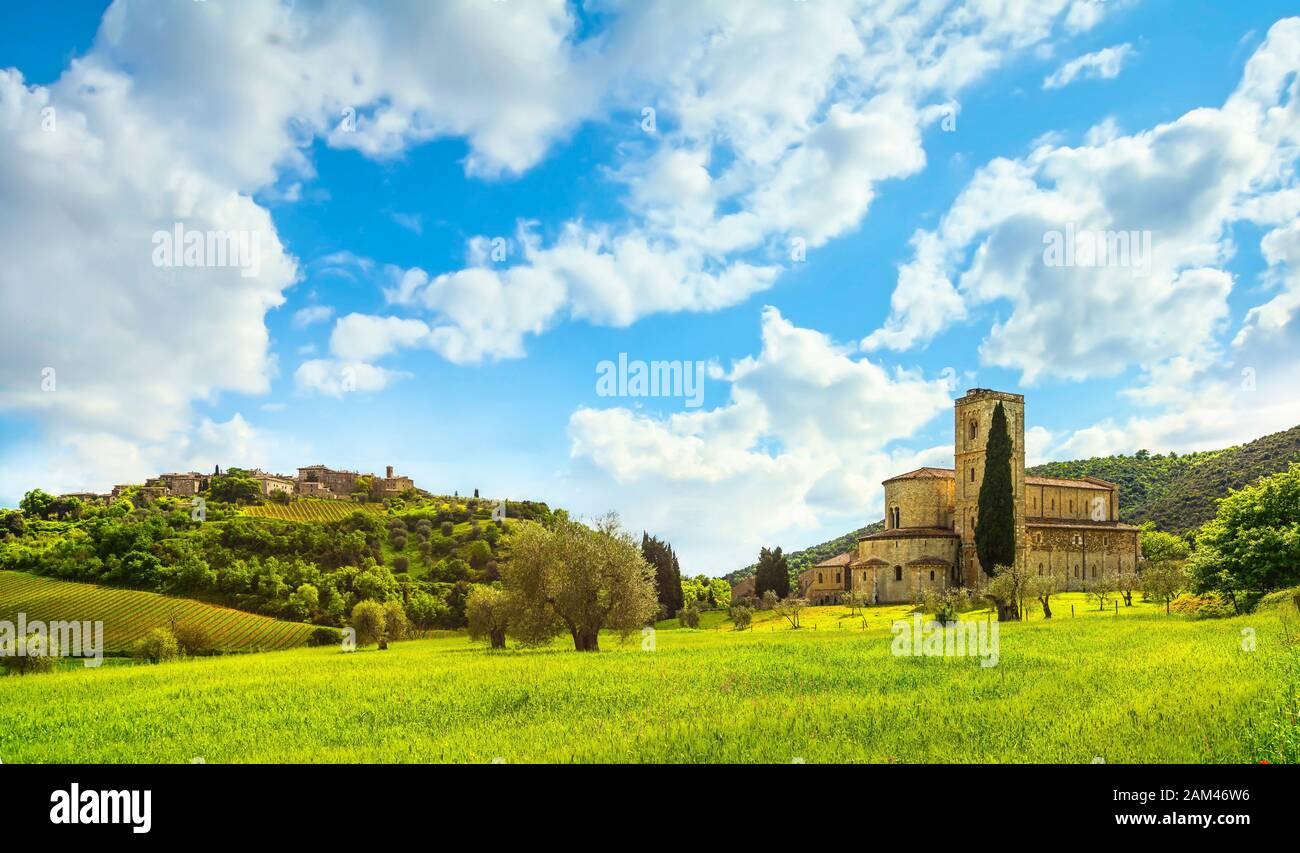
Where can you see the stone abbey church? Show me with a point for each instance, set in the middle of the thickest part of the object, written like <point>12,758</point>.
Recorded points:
<point>1069,528</point>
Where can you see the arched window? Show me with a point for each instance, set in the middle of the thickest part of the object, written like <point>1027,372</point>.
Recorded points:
<point>1076,571</point>
<point>931,574</point>
<point>972,473</point>
<point>1040,568</point>
<point>895,517</point>
<point>898,573</point>
<point>972,430</point>
<point>819,577</point>
<point>837,578</point>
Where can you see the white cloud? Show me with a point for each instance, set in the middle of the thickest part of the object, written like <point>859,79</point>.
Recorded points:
<point>1104,64</point>
<point>311,315</point>
<point>334,378</point>
<point>774,126</point>
<point>802,441</point>
<point>1185,182</point>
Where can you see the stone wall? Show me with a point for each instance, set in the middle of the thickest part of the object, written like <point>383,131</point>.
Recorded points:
<point>1078,554</point>
<point>894,576</point>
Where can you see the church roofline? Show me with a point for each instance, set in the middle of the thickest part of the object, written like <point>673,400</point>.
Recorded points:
<point>924,473</point>
<point>912,533</point>
<point>1082,523</point>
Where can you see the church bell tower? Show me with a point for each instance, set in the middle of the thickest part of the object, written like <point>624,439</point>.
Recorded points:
<point>972,418</point>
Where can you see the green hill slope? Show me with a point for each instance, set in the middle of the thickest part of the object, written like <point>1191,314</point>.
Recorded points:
<point>811,556</point>
<point>129,614</point>
<point>1178,493</point>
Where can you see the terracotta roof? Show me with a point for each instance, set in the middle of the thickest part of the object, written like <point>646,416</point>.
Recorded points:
<point>912,533</point>
<point>1078,522</point>
<point>874,561</point>
<point>930,561</point>
<point>836,561</point>
<point>1085,483</point>
<point>924,474</point>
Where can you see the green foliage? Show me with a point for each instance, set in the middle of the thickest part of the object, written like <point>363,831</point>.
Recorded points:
<point>36,504</point>
<point>772,573</point>
<point>668,573</point>
<point>1158,545</point>
<point>1253,545</point>
<point>581,579</point>
<point>27,656</point>
<point>235,487</point>
<point>157,646</point>
<point>995,525</point>
<point>689,616</point>
<point>368,620</point>
<point>742,616</point>
<point>1208,606</point>
<point>325,636</point>
<point>797,561</point>
<point>488,610</point>
<point>193,638</point>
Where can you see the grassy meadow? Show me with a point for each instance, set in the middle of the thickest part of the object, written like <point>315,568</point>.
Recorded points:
<point>1140,687</point>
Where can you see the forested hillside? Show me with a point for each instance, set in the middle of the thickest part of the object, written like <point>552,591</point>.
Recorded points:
<point>800,560</point>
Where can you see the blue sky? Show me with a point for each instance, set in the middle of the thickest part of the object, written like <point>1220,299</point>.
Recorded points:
<point>919,161</point>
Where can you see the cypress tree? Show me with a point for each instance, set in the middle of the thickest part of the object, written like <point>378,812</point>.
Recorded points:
<point>668,573</point>
<point>773,572</point>
<point>995,528</point>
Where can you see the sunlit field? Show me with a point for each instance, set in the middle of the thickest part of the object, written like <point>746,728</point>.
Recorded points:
<point>1140,687</point>
<point>130,614</point>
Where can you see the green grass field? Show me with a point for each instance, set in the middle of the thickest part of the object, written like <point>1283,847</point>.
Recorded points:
<point>312,510</point>
<point>1143,687</point>
<point>128,615</point>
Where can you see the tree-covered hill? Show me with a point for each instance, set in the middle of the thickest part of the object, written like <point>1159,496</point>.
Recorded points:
<point>800,560</point>
<point>1178,493</point>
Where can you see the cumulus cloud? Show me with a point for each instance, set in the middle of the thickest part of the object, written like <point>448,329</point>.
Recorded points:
<point>1183,183</point>
<point>1104,64</point>
<point>311,315</point>
<point>805,437</point>
<point>774,126</point>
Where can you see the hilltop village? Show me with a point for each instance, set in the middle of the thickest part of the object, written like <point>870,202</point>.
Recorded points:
<point>314,481</point>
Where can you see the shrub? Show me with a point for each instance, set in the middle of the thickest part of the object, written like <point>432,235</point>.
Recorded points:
<point>689,616</point>
<point>1208,606</point>
<point>27,657</point>
<point>395,624</point>
<point>741,616</point>
<point>193,639</point>
<point>325,636</point>
<point>447,528</point>
<point>401,565</point>
<point>157,646</point>
<point>368,622</point>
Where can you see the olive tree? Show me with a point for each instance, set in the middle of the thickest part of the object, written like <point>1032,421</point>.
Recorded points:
<point>1163,580</point>
<point>488,611</point>
<point>1043,587</point>
<point>578,579</point>
<point>1007,589</point>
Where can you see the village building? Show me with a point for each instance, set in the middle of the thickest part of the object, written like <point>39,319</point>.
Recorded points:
<point>273,483</point>
<point>321,481</point>
<point>1065,527</point>
<point>391,486</point>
